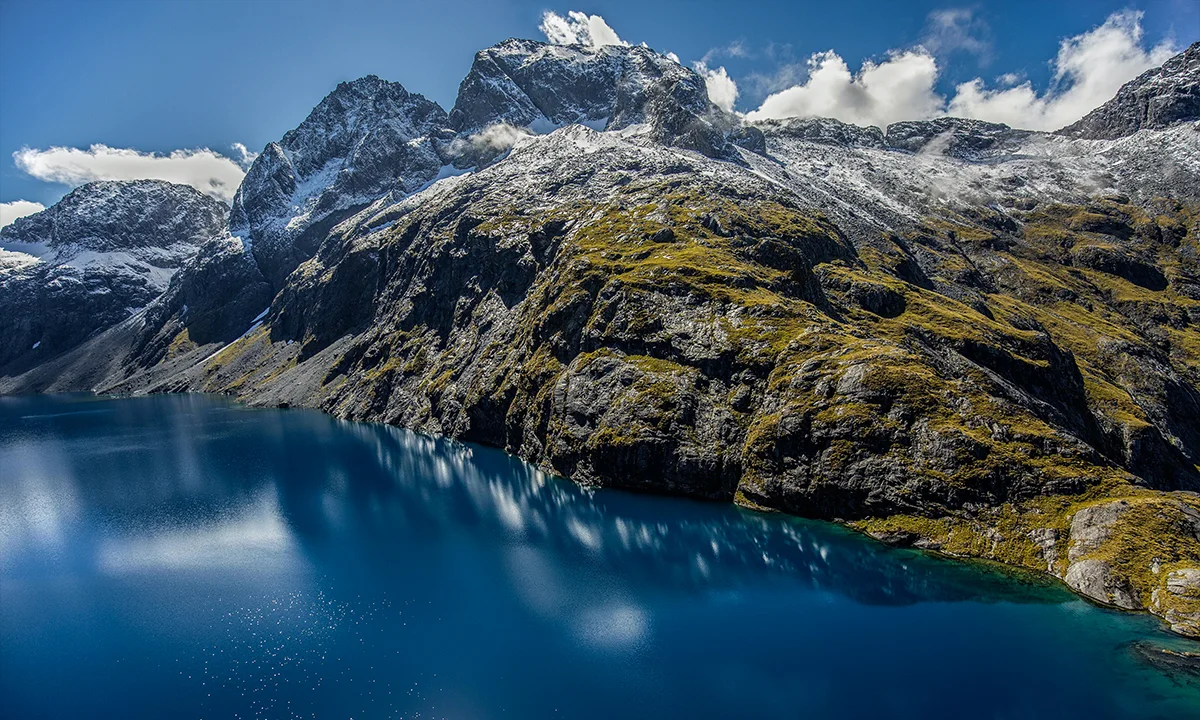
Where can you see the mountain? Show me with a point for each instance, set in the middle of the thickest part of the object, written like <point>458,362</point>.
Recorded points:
<point>100,254</point>
<point>366,138</point>
<point>530,84</point>
<point>1156,99</point>
<point>949,333</point>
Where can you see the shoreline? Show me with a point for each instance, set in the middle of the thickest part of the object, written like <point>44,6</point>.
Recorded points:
<point>906,539</point>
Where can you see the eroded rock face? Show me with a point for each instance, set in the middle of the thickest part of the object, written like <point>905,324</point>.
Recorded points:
<point>1179,601</point>
<point>1113,557</point>
<point>530,84</point>
<point>826,131</point>
<point>104,252</point>
<point>954,137</point>
<point>1156,99</point>
<point>365,139</point>
<point>1091,529</point>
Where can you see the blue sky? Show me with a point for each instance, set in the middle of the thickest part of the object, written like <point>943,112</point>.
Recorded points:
<point>163,76</point>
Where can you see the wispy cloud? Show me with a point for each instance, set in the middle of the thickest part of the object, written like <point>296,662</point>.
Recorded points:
<point>206,170</point>
<point>578,28</point>
<point>735,49</point>
<point>958,30</point>
<point>1088,70</point>
<point>10,211</point>
<point>242,156</point>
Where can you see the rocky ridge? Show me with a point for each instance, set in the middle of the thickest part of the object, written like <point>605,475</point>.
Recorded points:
<point>950,334</point>
<point>1156,99</point>
<point>102,253</point>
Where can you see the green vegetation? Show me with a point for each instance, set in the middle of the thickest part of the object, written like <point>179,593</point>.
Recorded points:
<point>950,374</point>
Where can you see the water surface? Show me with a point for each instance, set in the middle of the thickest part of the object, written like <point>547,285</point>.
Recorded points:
<point>181,556</point>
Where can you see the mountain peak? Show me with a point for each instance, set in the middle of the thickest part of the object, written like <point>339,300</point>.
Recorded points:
<point>527,83</point>
<point>1156,99</point>
<point>365,138</point>
<point>108,215</point>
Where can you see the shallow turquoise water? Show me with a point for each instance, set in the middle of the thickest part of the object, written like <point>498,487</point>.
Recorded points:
<point>181,556</point>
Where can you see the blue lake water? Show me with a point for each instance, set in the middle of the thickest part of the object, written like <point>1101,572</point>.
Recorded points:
<point>184,557</point>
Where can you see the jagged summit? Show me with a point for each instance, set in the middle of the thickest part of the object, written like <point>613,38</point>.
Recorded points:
<point>118,215</point>
<point>541,86</point>
<point>1155,99</point>
<point>364,139</point>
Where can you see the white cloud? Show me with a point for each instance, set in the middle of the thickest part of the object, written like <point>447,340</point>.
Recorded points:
<point>578,29</point>
<point>10,211</point>
<point>722,90</point>
<point>899,88</point>
<point>955,29</point>
<point>206,170</point>
<point>243,156</point>
<point>495,138</point>
<point>735,49</point>
<point>1088,71</point>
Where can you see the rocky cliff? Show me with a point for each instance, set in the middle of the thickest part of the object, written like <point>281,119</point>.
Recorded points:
<point>950,334</point>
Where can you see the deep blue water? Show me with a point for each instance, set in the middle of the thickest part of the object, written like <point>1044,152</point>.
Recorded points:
<point>182,556</point>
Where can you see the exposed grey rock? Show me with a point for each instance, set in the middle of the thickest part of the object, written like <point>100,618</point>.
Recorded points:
<point>366,138</point>
<point>1096,580</point>
<point>1047,540</point>
<point>955,137</point>
<point>826,131</point>
<point>1155,99</point>
<point>106,250</point>
<point>1092,526</point>
<point>531,84</point>
<point>1181,610</point>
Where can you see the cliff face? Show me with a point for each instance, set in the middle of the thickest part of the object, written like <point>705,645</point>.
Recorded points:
<point>951,333</point>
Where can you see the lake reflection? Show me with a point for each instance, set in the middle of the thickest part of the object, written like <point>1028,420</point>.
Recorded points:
<point>184,556</point>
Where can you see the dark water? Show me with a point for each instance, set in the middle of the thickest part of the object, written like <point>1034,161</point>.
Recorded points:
<point>185,557</point>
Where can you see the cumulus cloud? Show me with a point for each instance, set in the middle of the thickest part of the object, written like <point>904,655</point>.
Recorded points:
<point>242,156</point>
<point>722,90</point>
<point>206,170</point>
<point>10,211</point>
<point>899,88</point>
<point>1088,70</point>
<point>578,29</point>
